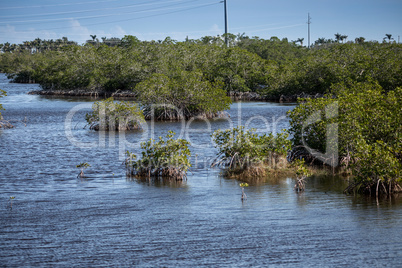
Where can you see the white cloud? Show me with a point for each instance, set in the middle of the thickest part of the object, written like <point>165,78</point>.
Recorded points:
<point>215,30</point>
<point>78,33</point>
<point>10,34</point>
<point>117,31</point>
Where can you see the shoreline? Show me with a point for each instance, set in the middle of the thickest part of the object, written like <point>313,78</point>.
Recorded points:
<point>127,94</point>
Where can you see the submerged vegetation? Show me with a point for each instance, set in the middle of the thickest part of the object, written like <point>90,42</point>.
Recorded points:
<point>110,115</point>
<point>166,158</point>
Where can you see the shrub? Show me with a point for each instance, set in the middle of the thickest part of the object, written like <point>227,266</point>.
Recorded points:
<point>376,169</point>
<point>166,158</point>
<point>3,123</point>
<point>369,139</point>
<point>2,94</point>
<point>243,152</point>
<point>110,115</point>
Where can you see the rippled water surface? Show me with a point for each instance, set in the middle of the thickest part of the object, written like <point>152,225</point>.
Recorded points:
<point>108,220</point>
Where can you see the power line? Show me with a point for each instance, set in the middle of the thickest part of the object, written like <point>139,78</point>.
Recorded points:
<point>275,28</point>
<point>185,32</point>
<point>65,4</point>
<point>84,11</point>
<point>143,17</point>
<point>97,16</point>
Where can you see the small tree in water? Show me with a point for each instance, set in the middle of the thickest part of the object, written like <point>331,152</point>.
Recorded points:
<point>11,201</point>
<point>82,166</point>
<point>243,194</point>
<point>110,115</point>
<point>301,174</point>
<point>167,158</point>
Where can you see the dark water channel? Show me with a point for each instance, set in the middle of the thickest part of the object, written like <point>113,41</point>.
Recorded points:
<point>108,220</point>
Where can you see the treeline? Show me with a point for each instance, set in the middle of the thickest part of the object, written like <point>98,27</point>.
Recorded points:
<point>36,46</point>
<point>271,67</point>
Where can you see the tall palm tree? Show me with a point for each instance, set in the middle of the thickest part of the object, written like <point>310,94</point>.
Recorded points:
<point>338,37</point>
<point>37,43</point>
<point>389,37</point>
<point>300,40</point>
<point>343,37</point>
<point>320,41</point>
<point>6,47</point>
<point>360,40</point>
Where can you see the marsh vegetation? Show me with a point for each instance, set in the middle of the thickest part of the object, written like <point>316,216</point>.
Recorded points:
<point>166,158</point>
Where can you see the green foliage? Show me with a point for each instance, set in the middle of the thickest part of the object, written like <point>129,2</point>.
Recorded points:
<point>83,165</point>
<point>2,94</point>
<point>270,67</point>
<point>110,115</point>
<point>243,194</point>
<point>273,49</point>
<point>300,168</point>
<point>301,174</point>
<point>166,158</point>
<point>239,148</point>
<point>313,135</point>
<point>185,95</point>
<point>316,70</point>
<point>369,127</point>
<point>3,123</point>
<point>376,161</point>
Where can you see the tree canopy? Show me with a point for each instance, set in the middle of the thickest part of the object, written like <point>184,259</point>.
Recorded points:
<point>368,127</point>
<point>271,67</point>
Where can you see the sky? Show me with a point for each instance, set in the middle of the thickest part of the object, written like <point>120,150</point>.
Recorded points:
<point>25,20</point>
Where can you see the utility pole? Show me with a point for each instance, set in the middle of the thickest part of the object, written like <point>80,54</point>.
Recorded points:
<point>226,24</point>
<point>309,22</point>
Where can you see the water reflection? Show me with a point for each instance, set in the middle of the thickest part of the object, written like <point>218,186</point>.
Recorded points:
<point>164,182</point>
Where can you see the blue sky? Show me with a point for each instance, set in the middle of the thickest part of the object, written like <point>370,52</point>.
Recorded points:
<point>22,20</point>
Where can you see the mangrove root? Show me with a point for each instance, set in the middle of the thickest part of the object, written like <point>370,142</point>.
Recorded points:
<point>161,172</point>
<point>372,187</point>
<point>300,184</point>
<point>5,124</point>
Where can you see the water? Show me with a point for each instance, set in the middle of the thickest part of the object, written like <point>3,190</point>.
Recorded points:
<point>109,220</point>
